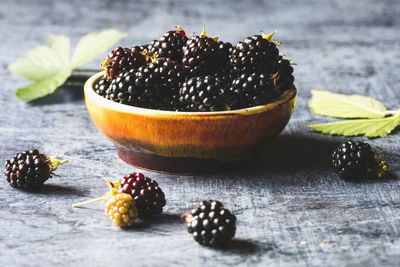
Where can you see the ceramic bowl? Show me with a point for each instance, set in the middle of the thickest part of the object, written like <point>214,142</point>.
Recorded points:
<point>187,142</point>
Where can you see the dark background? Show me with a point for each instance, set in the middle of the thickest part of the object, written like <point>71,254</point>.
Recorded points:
<point>291,208</point>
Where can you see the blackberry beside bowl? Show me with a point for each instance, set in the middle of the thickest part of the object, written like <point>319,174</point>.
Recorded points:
<point>187,142</point>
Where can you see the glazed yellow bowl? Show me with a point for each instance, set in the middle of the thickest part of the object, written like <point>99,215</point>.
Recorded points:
<point>186,142</point>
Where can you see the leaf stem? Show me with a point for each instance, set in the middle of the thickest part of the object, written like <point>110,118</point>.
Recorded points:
<point>88,202</point>
<point>87,70</point>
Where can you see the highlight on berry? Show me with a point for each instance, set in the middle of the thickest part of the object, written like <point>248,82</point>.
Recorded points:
<point>357,160</point>
<point>210,223</point>
<point>180,72</point>
<point>30,169</point>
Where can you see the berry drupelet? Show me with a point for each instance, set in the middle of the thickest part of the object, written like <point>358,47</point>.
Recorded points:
<point>252,90</point>
<point>122,59</point>
<point>211,224</point>
<point>170,45</point>
<point>30,169</point>
<point>255,54</point>
<point>149,197</point>
<point>101,87</point>
<point>203,93</point>
<point>355,160</point>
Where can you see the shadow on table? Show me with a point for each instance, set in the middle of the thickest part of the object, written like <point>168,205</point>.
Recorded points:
<point>71,91</point>
<point>50,189</point>
<point>290,153</point>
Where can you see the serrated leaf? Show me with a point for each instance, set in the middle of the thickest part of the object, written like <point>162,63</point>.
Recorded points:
<point>369,127</point>
<point>60,45</point>
<point>43,87</point>
<point>38,64</point>
<point>326,103</point>
<point>91,45</point>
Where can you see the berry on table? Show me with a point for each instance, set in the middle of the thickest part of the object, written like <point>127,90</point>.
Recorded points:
<point>30,169</point>
<point>120,208</point>
<point>149,197</point>
<point>211,224</point>
<point>355,160</point>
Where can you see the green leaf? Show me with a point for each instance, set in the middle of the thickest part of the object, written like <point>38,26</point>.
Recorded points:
<point>346,106</point>
<point>369,127</point>
<point>91,45</point>
<point>38,64</point>
<point>43,87</point>
<point>60,45</point>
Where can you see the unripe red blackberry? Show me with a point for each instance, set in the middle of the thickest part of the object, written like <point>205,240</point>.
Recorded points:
<point>30,169</point>
<point>355,160</point>
<point>122,59</point>
<point>149,197</point>
<point>170,45</point>
<point>211,224</point>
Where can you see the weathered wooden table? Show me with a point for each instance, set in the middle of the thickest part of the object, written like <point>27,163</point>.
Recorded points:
<point>292,209</point>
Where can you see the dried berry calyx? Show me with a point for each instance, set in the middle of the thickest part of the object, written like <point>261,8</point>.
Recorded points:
<point>30,169</point>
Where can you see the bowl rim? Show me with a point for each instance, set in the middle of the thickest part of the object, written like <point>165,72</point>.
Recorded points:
<point>287,96</point>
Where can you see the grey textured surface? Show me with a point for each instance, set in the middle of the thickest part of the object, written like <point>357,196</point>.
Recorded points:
<point>291,208</point>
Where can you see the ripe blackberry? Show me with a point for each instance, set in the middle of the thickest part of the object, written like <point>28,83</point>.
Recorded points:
<point>284,78</point>
<point>203,93</point>
<point>149,197</point>
<point>170,45</point>
<point>122,59</point>
<point>30,169</point>
<point>253,89</point>
<point>101,87</point>
<point>225,50</point>
<point>211,224</point>
<point>355,159</point>
<point>255,54</point>
<point>120,208</point>
<point>201,55</point>
<point>160,81</point>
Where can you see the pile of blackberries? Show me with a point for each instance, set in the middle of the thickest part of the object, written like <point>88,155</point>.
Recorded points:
<point>196,73</point>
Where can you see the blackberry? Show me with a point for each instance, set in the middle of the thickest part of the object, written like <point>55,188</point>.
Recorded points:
<point>203,93</point>
<point>284,78</point>
<point>120,208</point>
<point>149,197</point>
<point>255,54</point>
<point>211,224</point>
<point>122,59</point>
<point>253,89</point>
<point>170,45</point>
<point>124,90</point>
<point>30,169</point>
<point>225,49</point>
<point>160,81</point>
<point>101,87</point>
<point>355,159</point>
<point>201,55</point>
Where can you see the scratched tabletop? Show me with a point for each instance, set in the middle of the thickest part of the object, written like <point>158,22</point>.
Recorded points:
<point>292,209</point>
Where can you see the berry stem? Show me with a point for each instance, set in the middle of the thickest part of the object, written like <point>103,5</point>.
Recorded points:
<point>87,70</point>
<point>54,162</point>
<point>88,201</point>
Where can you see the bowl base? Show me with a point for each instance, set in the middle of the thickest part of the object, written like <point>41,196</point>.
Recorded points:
<point>152,162</point>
